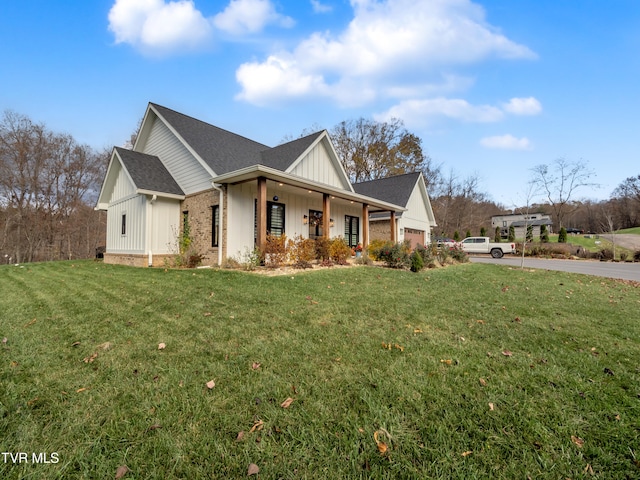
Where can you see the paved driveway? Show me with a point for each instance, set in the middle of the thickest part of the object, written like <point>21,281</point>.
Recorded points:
<point>624,271</point>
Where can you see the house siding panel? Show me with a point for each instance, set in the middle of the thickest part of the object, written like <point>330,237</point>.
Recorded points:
<point>133,241</point>
<point>317,166</point>
<point>183,166</point>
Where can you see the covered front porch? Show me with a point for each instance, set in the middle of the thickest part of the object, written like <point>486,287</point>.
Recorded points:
<point>264,201</point>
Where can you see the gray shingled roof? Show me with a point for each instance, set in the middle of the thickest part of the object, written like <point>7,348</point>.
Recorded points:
<point>282,156</point>
<point>148,172</point>
<point>222,150</point>
<point>396,189</point>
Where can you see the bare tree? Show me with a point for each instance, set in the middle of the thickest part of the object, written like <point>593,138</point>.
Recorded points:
<point>370,150</point>
<point>45,180</point>
<point>559,182</point>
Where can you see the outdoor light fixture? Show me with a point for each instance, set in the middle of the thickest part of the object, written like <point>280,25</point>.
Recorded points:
<point>305,219</point>
<point>275,198</point>
<point>331,222</point>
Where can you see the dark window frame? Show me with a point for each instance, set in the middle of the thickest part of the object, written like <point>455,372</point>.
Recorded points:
<point>215,225</point>
<point>352,230</point>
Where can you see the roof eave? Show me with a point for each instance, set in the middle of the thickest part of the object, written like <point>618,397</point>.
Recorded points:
<point>254,171</point>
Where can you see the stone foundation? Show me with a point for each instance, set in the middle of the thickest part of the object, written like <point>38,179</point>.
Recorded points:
<point>140,260</point>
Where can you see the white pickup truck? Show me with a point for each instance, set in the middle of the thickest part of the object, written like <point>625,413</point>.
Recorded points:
<point>484,245</point>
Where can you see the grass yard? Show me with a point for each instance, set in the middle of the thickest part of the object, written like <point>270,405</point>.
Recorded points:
<point>472,371</point>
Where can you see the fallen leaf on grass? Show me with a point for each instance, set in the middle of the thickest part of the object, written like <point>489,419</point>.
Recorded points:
<point>483,382</point>
<point>253,469</point>
<point>240,436</point>
<point>211,384</point>
<point>81,389</point>
<point>255,365</point>
<point>507,353</point>
<point>28,324</point>
<point>4,341</point>
<point>75,344</point>
<point>91,358</point>
<point>577,440</point>
<point>491,406</point>
<point>448,361</point>
<point>287,402</point>
<point>259,425</point>
<point>162,346</point>
<point>467,453</point>
<point>382,447</point>
<point>588,469</point>
<point>121,471</point>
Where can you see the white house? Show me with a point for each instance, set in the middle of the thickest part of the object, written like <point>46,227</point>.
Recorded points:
<point>232,192</point>
<point>520,222</point>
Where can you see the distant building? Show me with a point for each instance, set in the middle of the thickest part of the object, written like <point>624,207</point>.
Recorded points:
<point>520,222</point>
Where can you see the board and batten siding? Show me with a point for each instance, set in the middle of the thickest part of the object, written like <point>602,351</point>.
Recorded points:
<point>241,211</point>
<point>416,217</point>
<point>317,166</point>
<point>133,241</point>
<point>183,166</point>
<point>164,225</point>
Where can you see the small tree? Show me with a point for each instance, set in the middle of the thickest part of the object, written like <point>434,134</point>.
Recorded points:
<point>544,234</point>
<point>512,234</point>
<point>483,232</point>
<point>468,234</point>
<point>562,236</point>
<point>456,236</point>
<point>496,235</point>
<point>529,233</point>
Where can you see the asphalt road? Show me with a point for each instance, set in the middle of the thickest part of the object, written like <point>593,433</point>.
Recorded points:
<point>624,271</point>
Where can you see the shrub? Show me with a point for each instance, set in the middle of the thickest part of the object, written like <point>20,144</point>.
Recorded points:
<point>375,248</point>
<point>624,256</point>
<point>427,253</point>
<point>417,263</point>
<point>483,232</point>
<point>395,255</point>
<point>275,250</point>
<point>456,236</point>
<point>512,234</point>
<point>339,251</point>
<point>496,235</point>
<point>562,235</point>
<point>605,254</point>
<point>322,249</point>
<point>544,234</point>
<point>302,251</point>
<point>636,256</point>
<point>458,254</point>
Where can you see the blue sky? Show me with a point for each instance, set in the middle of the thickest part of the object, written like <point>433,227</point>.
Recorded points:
<point>492,87</point>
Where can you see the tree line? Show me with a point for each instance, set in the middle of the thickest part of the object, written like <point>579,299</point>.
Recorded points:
<point>48,187</point>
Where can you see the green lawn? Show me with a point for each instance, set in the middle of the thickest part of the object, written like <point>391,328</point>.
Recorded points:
<point>472,371</point>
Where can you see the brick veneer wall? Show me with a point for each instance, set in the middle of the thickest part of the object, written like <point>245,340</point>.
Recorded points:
<point>200,223</point>
<point>379,230</point>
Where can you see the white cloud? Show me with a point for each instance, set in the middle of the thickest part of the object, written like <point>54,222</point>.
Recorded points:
<point>507,142</point>
<point>424,112</point>
<point>156,26</point>
<point>249,16</point>
<point>319,7</point>
<point>388,45</point>
<point>523,106</point>
<point>161,26</point>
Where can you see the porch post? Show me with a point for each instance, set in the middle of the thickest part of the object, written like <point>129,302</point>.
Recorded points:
<point>365,225</point>
<point>326,214</point>
<point>261,214</point>
<point>392,224</point>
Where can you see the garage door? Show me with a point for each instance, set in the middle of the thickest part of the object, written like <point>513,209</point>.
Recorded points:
<point>414,236</point>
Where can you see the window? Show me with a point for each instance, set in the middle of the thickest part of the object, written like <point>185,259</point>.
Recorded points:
<point>351,230</point>
<point>123,228</point>
<point>215,225</point>
<point>315,224</point>
<point>275,219</point>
